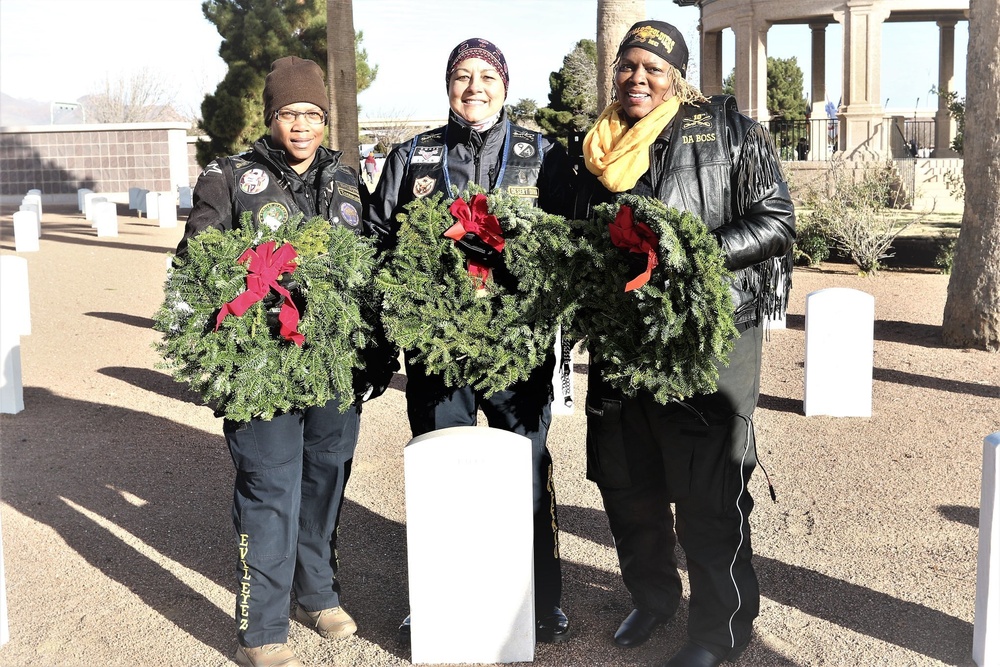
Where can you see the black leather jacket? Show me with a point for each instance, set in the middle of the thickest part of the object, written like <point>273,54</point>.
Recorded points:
<point>717,163</point>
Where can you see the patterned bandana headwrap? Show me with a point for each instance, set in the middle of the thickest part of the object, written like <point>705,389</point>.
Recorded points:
<point>659,38</point>
<point>482,49</point>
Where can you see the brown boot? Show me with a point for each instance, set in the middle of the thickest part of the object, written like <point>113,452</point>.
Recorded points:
<point>268,655</point>
<point>333,623</point>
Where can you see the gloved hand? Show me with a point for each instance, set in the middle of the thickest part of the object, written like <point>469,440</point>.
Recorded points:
<point>380,366</point>
<point>479,251</point>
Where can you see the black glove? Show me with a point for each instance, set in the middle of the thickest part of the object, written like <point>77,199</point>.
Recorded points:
<point>479,251</point>
<point>381,365</point>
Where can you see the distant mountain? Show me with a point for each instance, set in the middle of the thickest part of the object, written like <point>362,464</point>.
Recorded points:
<point>15,112</point>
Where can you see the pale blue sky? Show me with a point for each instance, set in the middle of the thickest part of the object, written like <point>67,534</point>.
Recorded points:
<point>60,50</point>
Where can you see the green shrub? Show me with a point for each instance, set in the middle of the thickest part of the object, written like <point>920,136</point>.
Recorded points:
<point>853,212</point>
<point>812,245</point>
<point>945,259</point>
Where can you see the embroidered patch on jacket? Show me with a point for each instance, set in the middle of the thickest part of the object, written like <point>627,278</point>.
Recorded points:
<point>350,214</point>
<point>522,149</point>
<point>427,155</point>
<point>699,120</point>
<point>272,215</point>
<point>423,186</point>
<point>348,191</point>
<point>254,181</point>
<point>530,192</point>
<point>522,134</point>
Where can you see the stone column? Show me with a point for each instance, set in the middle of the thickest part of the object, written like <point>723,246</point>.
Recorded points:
<point>944,124</point>
<point>861,133</point>
<point>751,66</point>
<point>711,63</point>
<point>819,134</point>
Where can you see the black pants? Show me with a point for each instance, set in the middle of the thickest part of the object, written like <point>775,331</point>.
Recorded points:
<point>290,477</point>
<point>698,456</point>
<point>524,409</point>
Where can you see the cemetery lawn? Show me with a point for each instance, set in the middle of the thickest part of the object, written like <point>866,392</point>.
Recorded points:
<point>115,489</point>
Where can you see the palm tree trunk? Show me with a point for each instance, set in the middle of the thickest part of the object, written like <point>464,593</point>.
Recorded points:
<point>614,17</point>
<point>972,311</point>
<point>341,67</point>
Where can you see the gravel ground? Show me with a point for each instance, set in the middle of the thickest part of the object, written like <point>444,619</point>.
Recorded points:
<point>115,491</point>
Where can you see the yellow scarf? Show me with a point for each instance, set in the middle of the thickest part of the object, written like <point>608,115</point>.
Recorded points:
<point>618,154</point>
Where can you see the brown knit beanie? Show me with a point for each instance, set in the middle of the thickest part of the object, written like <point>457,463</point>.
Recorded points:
<point>292,80</point>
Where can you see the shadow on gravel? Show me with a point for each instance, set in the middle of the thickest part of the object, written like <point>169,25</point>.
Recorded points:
<point>124,318</point>
<point>939,384</point>
<point>906,624</point>
<point>150,380</point>
<point>960,514</point>
<point>167,485</point>
<point>910,333</point>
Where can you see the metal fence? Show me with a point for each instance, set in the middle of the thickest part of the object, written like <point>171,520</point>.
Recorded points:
<point>818,139</point>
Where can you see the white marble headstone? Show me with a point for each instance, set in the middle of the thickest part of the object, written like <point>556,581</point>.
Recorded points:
<point>80,199</point>
<point>89,200</point>
<point>25,231</point>
<point>15,321</point>
<point>840,347</point>
<point>986,632</point>
<point>167,209</point>
<point>153,205</point>
<point>106,218</point>
<point>469,546</point>
<point>184,195</point>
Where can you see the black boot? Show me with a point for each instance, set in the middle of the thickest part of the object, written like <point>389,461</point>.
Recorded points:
<point>638,627</point>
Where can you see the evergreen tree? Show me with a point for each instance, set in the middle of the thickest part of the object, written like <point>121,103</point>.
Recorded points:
<point>523,113</point>
<point>573,97</point>
<point>255,33</point>
<point>784,88</point>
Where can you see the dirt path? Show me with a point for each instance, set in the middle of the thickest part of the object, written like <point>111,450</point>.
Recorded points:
<point>115,491</point>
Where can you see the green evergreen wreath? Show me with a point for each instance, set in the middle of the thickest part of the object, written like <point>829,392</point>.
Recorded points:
<point>664,336</point>
<point>488,338</point>
<point>242,367</point>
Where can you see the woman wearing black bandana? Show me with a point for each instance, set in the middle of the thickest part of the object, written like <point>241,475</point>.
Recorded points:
<point>480,145</point>
<point>662,138</point>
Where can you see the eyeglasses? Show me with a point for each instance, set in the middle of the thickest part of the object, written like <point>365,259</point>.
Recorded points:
<point>287,116</point>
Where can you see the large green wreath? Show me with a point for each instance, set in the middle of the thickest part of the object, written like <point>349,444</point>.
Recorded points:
<point>490,335</point>
<point>665,336</point>
<point>243,366</point>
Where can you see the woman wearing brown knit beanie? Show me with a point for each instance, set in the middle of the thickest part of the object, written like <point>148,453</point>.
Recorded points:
<point>291,470</point>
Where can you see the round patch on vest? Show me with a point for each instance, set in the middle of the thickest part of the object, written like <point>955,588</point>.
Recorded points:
<point>272,215</point>
<point>423,186</point>
<point>350,214</point>
<point>254,181</point>
<point>522,149</point>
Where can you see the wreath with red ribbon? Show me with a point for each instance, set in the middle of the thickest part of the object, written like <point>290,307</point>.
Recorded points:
<point>260,321</point>
<point>655,306</point>
<point>472,324</point>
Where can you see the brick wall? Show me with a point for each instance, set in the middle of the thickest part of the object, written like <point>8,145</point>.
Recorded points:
<point>110,159</point>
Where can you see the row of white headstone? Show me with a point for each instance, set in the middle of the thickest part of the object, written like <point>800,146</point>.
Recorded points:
<point>15,321</point>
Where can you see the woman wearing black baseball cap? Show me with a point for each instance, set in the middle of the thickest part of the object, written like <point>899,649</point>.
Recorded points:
<point>661,138</point>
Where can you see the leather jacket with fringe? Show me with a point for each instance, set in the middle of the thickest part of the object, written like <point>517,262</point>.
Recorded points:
<point>721,165</point>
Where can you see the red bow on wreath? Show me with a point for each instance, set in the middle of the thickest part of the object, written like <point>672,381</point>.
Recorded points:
<point>636,237</point>
<point>265,266</point>
<point>476,219</point>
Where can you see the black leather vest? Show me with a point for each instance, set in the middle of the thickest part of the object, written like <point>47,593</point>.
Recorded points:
<point>520,165</point>
<point>265,193</point>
